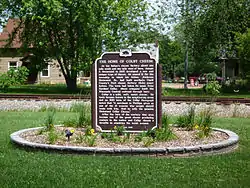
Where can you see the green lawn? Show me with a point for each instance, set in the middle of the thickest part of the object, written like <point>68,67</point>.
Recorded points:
<point>62,89</point>
<point>47,89</point>
<point>201,93</point>
<point>21,168</point>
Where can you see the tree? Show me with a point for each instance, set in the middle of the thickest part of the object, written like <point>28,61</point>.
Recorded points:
<point>171,55</point>
<point>243,46</point>
<point>75,32</point>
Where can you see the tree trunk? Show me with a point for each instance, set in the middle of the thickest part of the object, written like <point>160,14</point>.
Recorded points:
<point>186,67</point>
<point>174,75</point>
<point>71,83</point>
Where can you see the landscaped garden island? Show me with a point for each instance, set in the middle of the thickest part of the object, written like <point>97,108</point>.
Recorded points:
<point>126,117</point>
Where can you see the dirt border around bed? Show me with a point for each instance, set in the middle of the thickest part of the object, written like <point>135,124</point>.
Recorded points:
<point>187,151</point>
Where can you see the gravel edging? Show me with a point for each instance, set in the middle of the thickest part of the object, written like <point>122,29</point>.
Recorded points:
<point>208,149</point>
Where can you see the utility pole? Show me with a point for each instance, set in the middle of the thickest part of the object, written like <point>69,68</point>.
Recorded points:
<point>186,44</point>
<point>186,67</point>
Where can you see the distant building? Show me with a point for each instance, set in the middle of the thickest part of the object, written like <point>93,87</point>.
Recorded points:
<point>11,57</point>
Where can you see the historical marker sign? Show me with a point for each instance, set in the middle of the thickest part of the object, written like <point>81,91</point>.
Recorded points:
<point>125,91</point>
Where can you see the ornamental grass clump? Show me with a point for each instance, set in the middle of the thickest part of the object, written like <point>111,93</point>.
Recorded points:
<point>204,123</point>
<point>90,140</point>
<point>164,133</point>
<point>187,120</point>
<point>48,122</point>
<point>84,116</point>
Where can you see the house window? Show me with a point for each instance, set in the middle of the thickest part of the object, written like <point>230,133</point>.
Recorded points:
<point>45,72</point>
<point>12,65</point>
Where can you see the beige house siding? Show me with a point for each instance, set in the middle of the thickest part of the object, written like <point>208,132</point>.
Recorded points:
<point>4,63</point>
<point>55,75</point>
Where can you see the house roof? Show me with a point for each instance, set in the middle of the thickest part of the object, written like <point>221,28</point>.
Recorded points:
<point>7,30</point>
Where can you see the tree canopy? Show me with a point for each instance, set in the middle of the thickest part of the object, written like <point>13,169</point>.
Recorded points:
<point>75,32</point>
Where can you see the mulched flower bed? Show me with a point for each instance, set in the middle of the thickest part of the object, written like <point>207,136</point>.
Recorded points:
<point>183,138</point>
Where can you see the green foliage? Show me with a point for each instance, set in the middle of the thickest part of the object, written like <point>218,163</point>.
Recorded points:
<point>52,136</point>
<point>187,120</point>
<point>212,88</point>
<point>90,140</point>
<point>84,116</point>
<point>204,123</point>
<point>70,122</point>
<point>75,32</point>
<point>211,76</point>
<point>18,76</point>
<point>89,131</point>
<point>120,130</point>
<point>243,46</point>
<point>13,77</point>
<point>47,108</point>
<point>49,120</point>
<point>225,170</point>
<point>80,138</point>
<point>147,141</point>
<point>140,136</point>
<point>164,133</point>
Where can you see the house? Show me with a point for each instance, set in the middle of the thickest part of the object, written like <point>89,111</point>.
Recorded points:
<point>11,57</point>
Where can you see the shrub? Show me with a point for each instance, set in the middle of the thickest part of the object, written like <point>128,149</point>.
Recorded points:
<point>5,82</point>
<point>212,88</point>
<point>13,77</point>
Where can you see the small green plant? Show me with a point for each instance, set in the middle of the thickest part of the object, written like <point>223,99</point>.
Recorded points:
<point>89,131</point>
<point>147,141</point>
<point>90,140</point>
<point>113,137</point>
<point>120,130</point>
<point>52,136</point>
<point>80,138</point>
<point>164,133</point>
<point>104,135</point>
<point>140,136</point>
